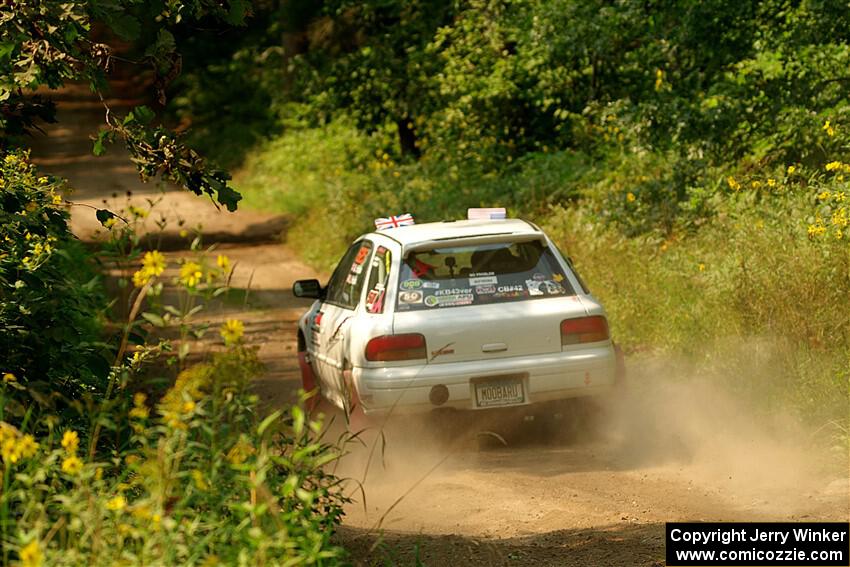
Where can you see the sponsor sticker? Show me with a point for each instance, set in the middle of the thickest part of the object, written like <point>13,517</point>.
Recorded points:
<point>558,277</point>
<point>454,291</point>
<point>510,294</point>
<point>552,288</point>
<point>431,285</point>
<point>533,287</point>
<point>453,300</point>
<point>544,288</point>
<point>357,268</point>
<point>509,288</point>
<point>485,289</point>
<point>410,297</point>
<point>351,279</point>
<point>537,276</point>
<point>361,255</point>
<point>411,284</point>
<point>483,280</point>
<point>431,301</point>
<point>371,298</point>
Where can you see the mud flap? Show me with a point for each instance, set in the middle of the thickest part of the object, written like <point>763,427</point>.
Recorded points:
<point>308,382</point>
<point>357,420</point>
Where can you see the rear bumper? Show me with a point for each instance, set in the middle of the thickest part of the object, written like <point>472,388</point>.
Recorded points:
<point>562,375</point>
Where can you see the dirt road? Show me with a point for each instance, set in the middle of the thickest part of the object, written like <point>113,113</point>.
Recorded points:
<point>670,449</point>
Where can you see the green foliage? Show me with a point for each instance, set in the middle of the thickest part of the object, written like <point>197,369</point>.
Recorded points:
<point>51,302</point>
<point>202,480</point>
<point>46,44</point>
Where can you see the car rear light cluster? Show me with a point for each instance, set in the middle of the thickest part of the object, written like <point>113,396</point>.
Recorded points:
<point>584,330</point>
<point>386,348</point>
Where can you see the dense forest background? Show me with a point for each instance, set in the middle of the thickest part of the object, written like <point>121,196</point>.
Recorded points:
<point>688,155</point>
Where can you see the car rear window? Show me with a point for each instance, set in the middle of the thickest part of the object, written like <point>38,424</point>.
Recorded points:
<point>480,274</point>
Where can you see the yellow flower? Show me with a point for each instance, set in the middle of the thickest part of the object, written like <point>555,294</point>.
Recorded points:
<point>27,446</point>
<point>824,195</point>
<point>630,197</point>
<point>771,182</point>
<point>72,465</point>
<point>701,267</point>
<point>154,262</point>
<point>9,450</point>
<point>57,199</point>
<point>9,377</point>
<point>838,196</point>
<point>71,441</point>
<point>110,222</point>
<point>833,165</point>
<point>139,399</point>
<point>733,185</point>
<point>188,406</point>
<point>839,234</point>
<point>184,233</point>
<point>138,212</point>
<point>827,127</point>
<point>232,331</point>
<point>140,278</point>
<point>30,554</point>
<point>223,262</point>
<point>139,412</point>
<point>116,504</point>
<point>659,79</point>
<point>190,274</point>
<point>816,229</point>
<point>755,184</point>
<point>792,169</point>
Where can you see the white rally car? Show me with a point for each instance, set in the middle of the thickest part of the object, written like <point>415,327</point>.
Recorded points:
<point>473,314</point>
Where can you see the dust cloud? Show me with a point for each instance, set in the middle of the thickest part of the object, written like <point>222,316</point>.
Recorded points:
<point>682,427</point>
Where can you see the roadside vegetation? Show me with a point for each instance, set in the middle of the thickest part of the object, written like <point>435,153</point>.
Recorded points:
<point>692,159</point>
<point>129,432</point>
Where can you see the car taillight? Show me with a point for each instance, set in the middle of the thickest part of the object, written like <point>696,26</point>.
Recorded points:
<point>584,330</point>
<point>396,347</point>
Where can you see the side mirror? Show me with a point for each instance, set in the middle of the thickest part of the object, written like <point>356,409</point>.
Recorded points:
<point>308,288</point>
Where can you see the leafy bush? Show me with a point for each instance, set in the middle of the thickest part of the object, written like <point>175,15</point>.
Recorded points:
<point>51,302</point>
<point>202,480</point>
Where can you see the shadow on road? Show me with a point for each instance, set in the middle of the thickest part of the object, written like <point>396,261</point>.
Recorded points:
<point>634,545</point>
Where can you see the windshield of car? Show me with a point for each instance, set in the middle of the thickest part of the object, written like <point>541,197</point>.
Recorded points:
<point>480,274</point>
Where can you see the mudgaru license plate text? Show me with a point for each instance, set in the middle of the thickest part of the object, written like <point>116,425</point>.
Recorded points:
<point>499,393</point>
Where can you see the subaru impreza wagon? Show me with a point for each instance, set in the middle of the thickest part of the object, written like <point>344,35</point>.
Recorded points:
<point>473,314</point>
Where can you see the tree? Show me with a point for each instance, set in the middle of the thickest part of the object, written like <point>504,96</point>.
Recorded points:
<point>46,44</point>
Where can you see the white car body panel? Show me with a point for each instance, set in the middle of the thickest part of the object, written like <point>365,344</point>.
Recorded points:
<point>464,343</point>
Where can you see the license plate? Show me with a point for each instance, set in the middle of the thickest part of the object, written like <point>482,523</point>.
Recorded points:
<point>504,392</point>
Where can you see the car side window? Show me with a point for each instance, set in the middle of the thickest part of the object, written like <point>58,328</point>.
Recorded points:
<point>379,275</point>
<point>346,283</point>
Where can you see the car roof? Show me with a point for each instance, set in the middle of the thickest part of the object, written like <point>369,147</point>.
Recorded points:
<point>445,230</point>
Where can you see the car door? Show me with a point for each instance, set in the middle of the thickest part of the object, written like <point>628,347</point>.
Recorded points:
<point>335,317</point>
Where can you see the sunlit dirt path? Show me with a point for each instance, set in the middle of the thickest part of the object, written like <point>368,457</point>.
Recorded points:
<point>665,451</point>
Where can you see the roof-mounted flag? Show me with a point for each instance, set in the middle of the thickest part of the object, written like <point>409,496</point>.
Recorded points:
<point>394,222</point>
<point>492,213</point>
